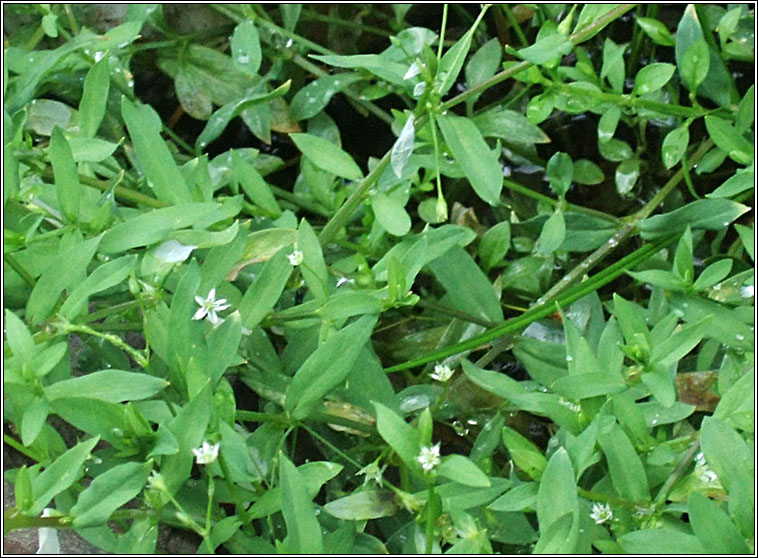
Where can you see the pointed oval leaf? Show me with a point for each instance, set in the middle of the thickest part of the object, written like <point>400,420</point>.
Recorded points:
<point>327,156</point>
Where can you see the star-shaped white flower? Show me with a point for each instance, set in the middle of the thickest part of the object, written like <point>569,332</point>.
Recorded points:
<point>209,306</point>
<point>429,457</point>
<point>295,258</point>
<point>206,454</point>
<point>442,373</point>
<point>601,513</point>
<point>372,472</point>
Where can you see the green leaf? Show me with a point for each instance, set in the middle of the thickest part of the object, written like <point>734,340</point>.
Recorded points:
<point>400,436</point>
<point>63,271</point>
<point>103,277</point>
<point>153,226</point>
<point>737,404</point>
<point>560,173</point>
<point>108,492</point>
<point>510,126</point>
<point>524,453</point>
<point>467,286</point>
<point>220,119</point>
<point>313,267</point>
<point>327,156</point>
<point>33,420</point>
<point>263,294</point>
<point>61,474</point>
<point>19,338</point>
<point>94,98</point>
<point>713,274</point>
<point>462,470</point>
<point>747,235</point>
<point>144,127</point>
<point>390,214</point>
<point>728,139</point>
<point>557,499</point>
<point>303,530</point>
<point>652,77</point>
<point>546,48</point>
<point>587,172</point>
<point>92,150</point>
<point>683,262</point>
<point>494,244</point>
<point>557,537</point>
<point>107,385</point>
<point>659,278</point>
<point>627,174</point>
<point>699,214</point>
<point>188,428</point>
<point>553,233</point>
<point>613,64</point>
<point>327,367</point>
<point>695,64</point>
<point>660,541</point>
<point>246,46</point>
<point>739,182</point>
<point>520,498</point>
<point>452,61</point>
<point>192,94</point>
<point>718,85</point>
<point>713,528</point>
<point>484,63</point>
<point>254,185</point>
<point>675,145</point>
<point>66,178</point>
<point>470,150</point>
<point>625,467</point>
<point>365,505</point>
<point>314,97</point>
<point>378,64</point>
<point>656,30</point>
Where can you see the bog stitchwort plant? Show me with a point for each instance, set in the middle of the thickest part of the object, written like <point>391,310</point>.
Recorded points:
<point>553,200</point>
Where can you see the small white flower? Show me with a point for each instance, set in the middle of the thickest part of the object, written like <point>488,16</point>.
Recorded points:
<point>296,257</point>
<point>429,457</point>
<point>601,513</point>
<point>442,373</point>
<point>209,306</point>
<point>702,471</point>
<point>206,454</point>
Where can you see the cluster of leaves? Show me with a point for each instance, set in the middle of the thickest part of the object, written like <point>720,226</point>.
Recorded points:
<point>320,359</point>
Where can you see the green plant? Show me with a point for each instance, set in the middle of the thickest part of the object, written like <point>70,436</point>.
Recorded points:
<point>557,365</point>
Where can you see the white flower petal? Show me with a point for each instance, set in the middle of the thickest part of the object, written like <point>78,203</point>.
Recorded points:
<point>200,314</point>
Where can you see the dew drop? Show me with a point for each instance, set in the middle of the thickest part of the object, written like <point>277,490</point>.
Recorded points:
<point>289,43</point>
<point>613,242</point>
<point>740,337</point>
<point>569,358</point>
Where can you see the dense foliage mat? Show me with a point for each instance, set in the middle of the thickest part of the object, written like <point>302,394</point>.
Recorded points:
<point>381,278</point>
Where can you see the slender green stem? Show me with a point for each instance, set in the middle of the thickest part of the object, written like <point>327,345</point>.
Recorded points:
<point>11,260</point>
<point>124,195</point>
<point>64,326</point>
<point>516,187</point>
<point>442,33</point>
<point>313,16</point>
<point>576,38</point>
<point>345,212</point>
<point>676,474</point>
<point>514,24</point>
<point>109,311</point>
<point>543,310</point>
<point>590,261</point>
<point>28,452</point>
<point>429,519</point>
